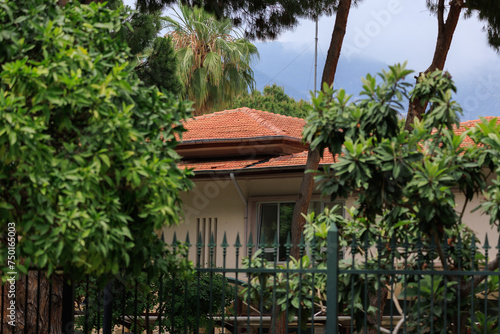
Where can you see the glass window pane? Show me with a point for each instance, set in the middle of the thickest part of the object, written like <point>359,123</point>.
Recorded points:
<point>268,223</point>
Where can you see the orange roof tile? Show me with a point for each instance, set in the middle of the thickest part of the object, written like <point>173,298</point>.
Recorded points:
<point>470,124</point>
<point>244,123</point>
<point>241,123</point>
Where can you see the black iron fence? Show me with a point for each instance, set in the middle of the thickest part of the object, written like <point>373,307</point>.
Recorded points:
<point>373,285</point>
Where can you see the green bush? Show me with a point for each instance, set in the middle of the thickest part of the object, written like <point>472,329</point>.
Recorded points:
<point>88,169</point>
<point>183,303</point>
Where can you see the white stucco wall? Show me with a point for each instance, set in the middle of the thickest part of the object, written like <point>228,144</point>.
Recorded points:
<point>215,198</point>
<point>477,221</point>
<point>219,198</point>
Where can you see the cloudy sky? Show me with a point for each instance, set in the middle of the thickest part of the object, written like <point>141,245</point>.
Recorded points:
<point>381,33</point>
<point>388,32</point>
<point>397,30</point>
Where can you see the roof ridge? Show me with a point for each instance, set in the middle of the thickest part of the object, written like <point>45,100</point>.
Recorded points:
<point>247,109</point>
<point>213,113</point>
<point>256,117</point>
<point>273,114</point>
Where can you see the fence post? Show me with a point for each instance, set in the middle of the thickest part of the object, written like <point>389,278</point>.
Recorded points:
<point>108,308</point>
<point>332,280</point>
<point>68,308</point>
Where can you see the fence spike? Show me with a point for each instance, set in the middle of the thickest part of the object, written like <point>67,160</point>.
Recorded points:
<point>188,244</point>
<point>473,244</point>
<point>354,245</point>
<point>288,246</point>
<point>366,244</point>
<point>162,236</point>
<point>174,240</point>
<point>276,243</point>
<point>393,241</point>
<point>199,243</point>
<point>314,241</point>
<point>212,244</point>
<point>447,244</point>
<point>379,244</point>
<point>459,251</point>
<point>250,242</point>
<point>473,253</point>
<point>302,245</point>
<point>314,248</point>
<point>486,243</point>
<point>237,244</point>
<point>432,245</point>
<point>224,243</point>
<point>406,244</point>
<point>261,244</point>
<point>420,244</point>
<point>288,243</point>
<point>486,247</point>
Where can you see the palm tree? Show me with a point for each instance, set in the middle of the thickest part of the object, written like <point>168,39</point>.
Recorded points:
<point>214,58</point>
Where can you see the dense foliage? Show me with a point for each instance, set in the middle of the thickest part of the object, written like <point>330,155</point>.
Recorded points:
<point>160,67</point>
<point>262,19</point>
<point>273,99</point>
<point>153,57</point>
<point>88,170</point>
<point>184,305</point>
<point>488,12</point>
<point>406,186</point>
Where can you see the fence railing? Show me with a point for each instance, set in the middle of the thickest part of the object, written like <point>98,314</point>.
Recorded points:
<point>375,285</point>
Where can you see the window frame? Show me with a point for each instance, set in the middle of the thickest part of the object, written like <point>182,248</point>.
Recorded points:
<point>279,200</point>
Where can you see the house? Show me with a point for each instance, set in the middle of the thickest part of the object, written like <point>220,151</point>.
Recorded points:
<point>248,167</point>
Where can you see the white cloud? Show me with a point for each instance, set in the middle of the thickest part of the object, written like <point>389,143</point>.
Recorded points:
<point>395,31</point>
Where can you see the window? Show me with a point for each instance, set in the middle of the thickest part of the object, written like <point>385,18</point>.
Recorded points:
<point>275,221</point>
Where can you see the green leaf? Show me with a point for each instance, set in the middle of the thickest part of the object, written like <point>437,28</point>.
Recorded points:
<point>105,159</point>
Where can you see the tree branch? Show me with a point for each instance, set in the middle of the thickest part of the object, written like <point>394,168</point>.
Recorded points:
<point>467,288</point>
<point>440,16</point>
<point>314,156</point>
<point>338,34</point>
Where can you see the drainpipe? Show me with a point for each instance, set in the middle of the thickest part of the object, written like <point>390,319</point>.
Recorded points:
<point>245,202</point>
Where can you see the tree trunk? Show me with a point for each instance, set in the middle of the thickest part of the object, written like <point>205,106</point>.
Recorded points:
<point>280,322</point>
<point>313,156</point>
<point>302,203</point>
<point>416,108</point>
<point>374,322</point>
<point>42,312</point>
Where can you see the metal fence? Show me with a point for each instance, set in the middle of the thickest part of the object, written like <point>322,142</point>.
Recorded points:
<point>374,285</point>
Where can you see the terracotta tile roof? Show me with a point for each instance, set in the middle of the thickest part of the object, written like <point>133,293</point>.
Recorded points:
<point>291,160</point>
<point>241,123</point>
<point>469,124</point>
<point>245,123</point>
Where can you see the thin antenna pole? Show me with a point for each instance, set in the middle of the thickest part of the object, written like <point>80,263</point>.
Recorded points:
<point>316,57</point>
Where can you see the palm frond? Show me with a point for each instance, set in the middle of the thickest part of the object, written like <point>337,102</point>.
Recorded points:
<point>214,59</point>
